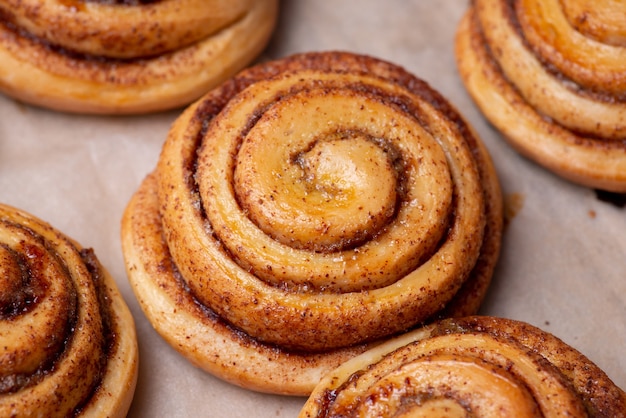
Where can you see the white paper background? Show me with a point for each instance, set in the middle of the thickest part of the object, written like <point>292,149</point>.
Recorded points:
<point>564,253</point>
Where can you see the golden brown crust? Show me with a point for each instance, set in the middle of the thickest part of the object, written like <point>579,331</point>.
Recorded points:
<point>196,332</point>
<point>56,76</point>
<point>569,114</point>
<point>548,31</point>
<point>266,225</point>
<point>123,31</point>
<point>600,20</point>
<point>68,339</point>
<point>481,366</point>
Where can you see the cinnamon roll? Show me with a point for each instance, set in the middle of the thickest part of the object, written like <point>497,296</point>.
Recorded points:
<point>474,366</point>
<point>551,76</point>
<point>126,56</point>
<point>67,339</point>
<point>305,210</point>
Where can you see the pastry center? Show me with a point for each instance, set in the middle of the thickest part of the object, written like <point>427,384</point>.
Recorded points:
<point>332,195</point>
<point>350,186</point>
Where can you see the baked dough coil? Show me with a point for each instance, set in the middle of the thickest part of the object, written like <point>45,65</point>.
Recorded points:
<point>474,366</point>
<point>67,339</point>
<point>551,76</point>
<point>126,57</point>
<point>315,205</point>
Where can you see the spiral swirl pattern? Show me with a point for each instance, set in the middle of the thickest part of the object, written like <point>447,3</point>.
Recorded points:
<point>473,366</point>
<point>118,30</point>
<point>126,57</point>
<point>551,76</point>
<point>67,340</point>
<point>322,202</point>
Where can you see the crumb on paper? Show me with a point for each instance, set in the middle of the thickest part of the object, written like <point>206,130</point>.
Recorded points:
<point>513,203</point>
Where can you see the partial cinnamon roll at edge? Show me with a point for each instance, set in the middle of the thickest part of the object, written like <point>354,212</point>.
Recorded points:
<point>556,95</point>
<point>67,339</point>
<point>478,366</point>
<point>89,57</point>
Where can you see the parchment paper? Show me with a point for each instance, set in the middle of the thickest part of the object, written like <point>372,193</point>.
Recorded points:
<point>564,254</point>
